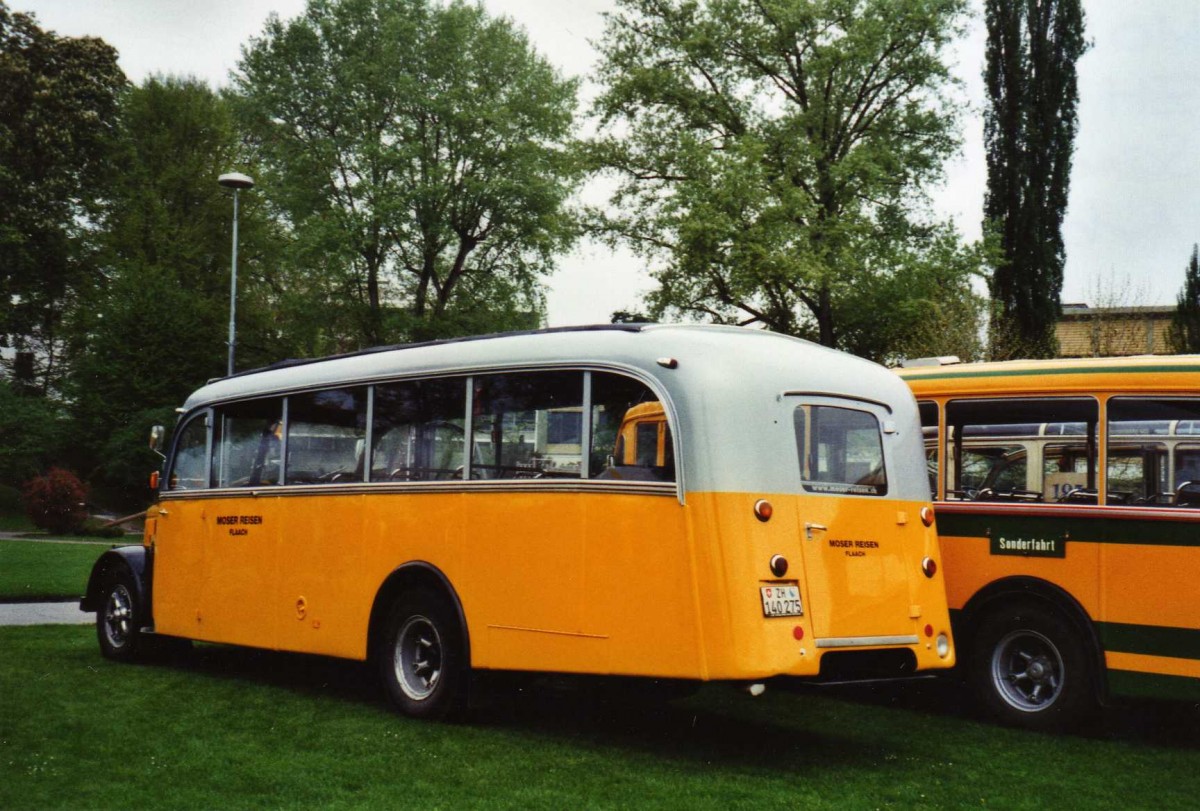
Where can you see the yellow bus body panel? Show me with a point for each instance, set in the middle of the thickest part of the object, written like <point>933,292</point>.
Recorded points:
<point>623,584</point>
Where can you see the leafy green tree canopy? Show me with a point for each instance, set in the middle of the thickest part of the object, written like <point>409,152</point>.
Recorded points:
<point>31,434</point>
<point>1029,132</point>
<point>155,328</point>
<point>773,154</point>
<point>418,152</point>
<point>58,99</point>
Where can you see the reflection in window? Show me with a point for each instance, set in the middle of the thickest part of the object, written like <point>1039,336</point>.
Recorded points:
<point>631,440</point>
<point>247,441</point>
<point>995,468</point>
<point>511,419</point>
<point>418,431</point>
<point>326,434</point>
<point>189,470</point>
<point>1146,465</point>
<point>841,451</point>
<point>1022,449</point>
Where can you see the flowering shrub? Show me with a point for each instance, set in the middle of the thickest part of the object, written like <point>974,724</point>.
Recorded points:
<point>55,501</point>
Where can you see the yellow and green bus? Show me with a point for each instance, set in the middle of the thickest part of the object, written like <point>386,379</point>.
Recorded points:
<point>1067,505</point>
<point>481,504</point>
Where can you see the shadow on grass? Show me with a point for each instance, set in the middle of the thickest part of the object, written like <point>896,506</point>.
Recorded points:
<point>800,726</point>
<point>719,724</point>
<point>1158,723</point>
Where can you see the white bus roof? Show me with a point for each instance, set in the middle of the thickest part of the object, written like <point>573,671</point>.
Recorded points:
<point>723,392</point>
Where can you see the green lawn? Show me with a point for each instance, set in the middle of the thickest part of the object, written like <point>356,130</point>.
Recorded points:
<point>11,522</point>
<point>41,570</point>
<point>231,728</point>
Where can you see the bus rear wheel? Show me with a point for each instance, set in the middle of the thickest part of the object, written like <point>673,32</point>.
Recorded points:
<point>421,660</point>
<point>1030,669</point>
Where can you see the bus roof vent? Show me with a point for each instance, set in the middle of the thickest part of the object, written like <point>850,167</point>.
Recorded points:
<point>941,360</point>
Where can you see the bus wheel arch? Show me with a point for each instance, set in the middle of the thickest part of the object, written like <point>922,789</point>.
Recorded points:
<point>1033,658</point>
<point>419,641</point>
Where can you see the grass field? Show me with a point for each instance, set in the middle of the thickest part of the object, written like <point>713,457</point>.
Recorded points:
<point>232,728</point>
<point>11,522</point>
<point>43,570</point>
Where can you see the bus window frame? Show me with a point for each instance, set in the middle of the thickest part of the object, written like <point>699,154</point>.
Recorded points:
<point>678,485</point>
<point>1093,434</point>
<point>184,423</point>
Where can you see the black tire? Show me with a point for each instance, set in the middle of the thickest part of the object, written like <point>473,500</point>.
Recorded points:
<point>119,618</point>
<point>1029,668</point>
<point>422,657</point>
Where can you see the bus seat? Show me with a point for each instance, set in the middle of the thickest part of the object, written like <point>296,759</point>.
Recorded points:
<point>1188,494</point>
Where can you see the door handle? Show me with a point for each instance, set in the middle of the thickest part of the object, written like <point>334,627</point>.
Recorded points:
<point>808,529</point>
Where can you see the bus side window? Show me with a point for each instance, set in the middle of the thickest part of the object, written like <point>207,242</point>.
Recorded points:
<point>1022,449</point>
<point>246,444</point>
<point>189,467</point>
<point>418,433</point>
<point>1146,465</point>
<point>527,425</point>
<point>631,438</point>
<point>326,431</point>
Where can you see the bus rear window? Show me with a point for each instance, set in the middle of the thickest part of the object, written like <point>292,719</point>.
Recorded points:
<point>841,451</point>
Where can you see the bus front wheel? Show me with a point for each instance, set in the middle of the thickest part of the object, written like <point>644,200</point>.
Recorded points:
<point>421,661</point>
<point>118,620</point>
<point>1030,669</point>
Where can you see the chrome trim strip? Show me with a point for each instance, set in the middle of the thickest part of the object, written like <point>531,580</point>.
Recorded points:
<point>866,641</point>
<point>414,488</point>
<point>835,396</point>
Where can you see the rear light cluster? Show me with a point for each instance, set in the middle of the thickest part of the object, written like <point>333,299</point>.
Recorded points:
<point>943,642</point>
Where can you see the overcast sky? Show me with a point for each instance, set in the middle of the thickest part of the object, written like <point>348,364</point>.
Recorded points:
<point>1135,189</point>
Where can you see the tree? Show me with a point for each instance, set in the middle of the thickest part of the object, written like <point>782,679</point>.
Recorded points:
<point>1185,326</point>
<point>1114,327</point>
<point>1029,130</point>
<point>418,151</point>
<point>31,434</point>
<point>58,98</point>
<point>772,155</point>
<point>155,328</point>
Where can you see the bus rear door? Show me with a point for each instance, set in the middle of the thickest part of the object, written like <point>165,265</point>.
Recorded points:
<point>857,541</point>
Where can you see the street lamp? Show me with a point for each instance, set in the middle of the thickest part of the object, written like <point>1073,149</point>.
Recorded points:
<point>236,181</point>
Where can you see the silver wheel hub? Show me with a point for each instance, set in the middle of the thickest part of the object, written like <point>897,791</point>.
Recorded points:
<point>1028,671</point>
<point>418,658</point>
<point>118,616</point>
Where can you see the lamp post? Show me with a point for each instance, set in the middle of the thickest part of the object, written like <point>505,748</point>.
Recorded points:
<point>236,181</point>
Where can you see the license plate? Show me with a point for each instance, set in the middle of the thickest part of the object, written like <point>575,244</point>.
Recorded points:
<point>781,601</point>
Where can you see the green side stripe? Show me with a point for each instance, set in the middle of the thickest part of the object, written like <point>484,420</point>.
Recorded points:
<point>1107,529</point>
<point>967,374</point>
<point>1153,685</point>
<point>1150,640</point>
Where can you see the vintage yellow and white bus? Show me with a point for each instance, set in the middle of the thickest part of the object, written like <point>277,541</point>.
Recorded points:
<point>471,505</point>
<point>1067,508</point>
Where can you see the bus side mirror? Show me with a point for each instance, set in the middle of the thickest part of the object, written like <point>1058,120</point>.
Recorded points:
<point>156,439</point>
